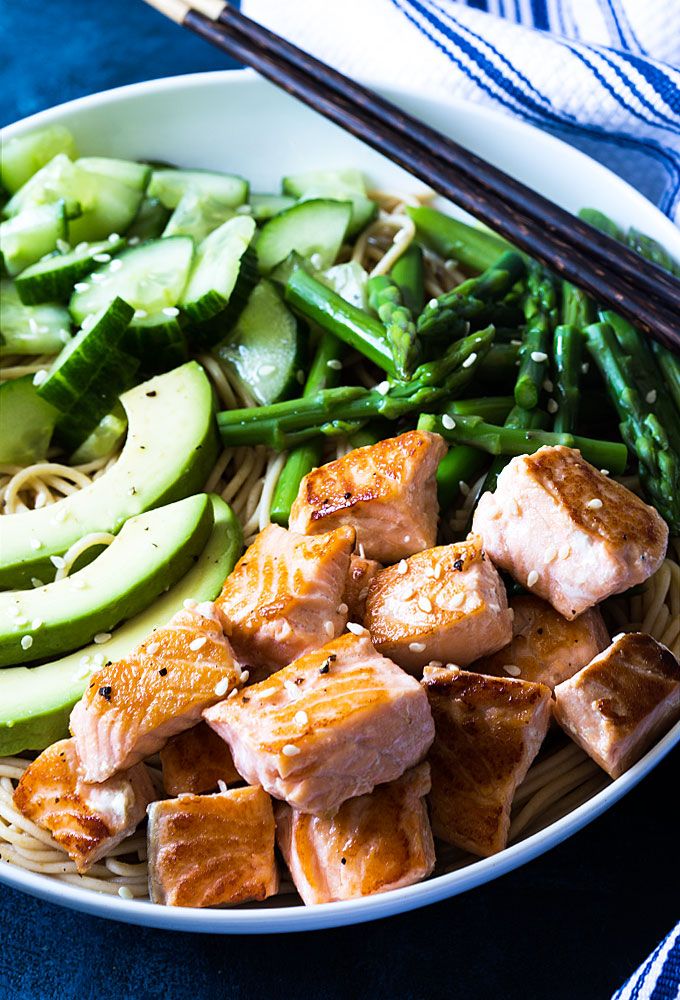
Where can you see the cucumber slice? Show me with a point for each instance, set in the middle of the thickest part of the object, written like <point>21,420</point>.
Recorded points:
<point>53,278</point>
<point>197,215</point>
<point>106,436</point>
<point>150,277</point>
<point>314,228</point>
<point>58,180</point>
<point>158,341</point>
<point>343,185</point>
<point>31,234</point>
<point>42,329</point>
<point>349,281</point>
<point>112,208</point>
<point>217,273</point>
<point>170,185</point>
<point>24,155</point>
<point>266,206</point>
<point>265,347</point>
<point>27,423</point>
<point>133,175</point>
<point>149,222</point>
<point>117,374</point>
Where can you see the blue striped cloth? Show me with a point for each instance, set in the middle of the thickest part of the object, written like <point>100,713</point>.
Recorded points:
<point>601,74</point>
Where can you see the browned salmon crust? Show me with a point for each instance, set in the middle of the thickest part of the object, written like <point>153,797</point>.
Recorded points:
<point>195,761</point>
<point>361,572</point>
<point>488,731</point>
<point>210,849</point>
<point>133,706</point>
<point>330,726</point>
<point>546,648</point>
<point>285,595</point>
<point>622,701</point>
<point>567,532</point>
<point>446,604</point>
<point>387,491</point>
<point>372,844</point>
<point>86,820</point>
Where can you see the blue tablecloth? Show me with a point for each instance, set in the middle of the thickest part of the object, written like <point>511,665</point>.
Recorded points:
<point>569,926</point>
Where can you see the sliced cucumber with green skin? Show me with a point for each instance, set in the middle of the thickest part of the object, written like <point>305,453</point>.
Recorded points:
<point>265,348</point>
<point>107,435</point>
<point>216,271</point>
<point>158,341</point>
<point>58,180</point>
<point>111,210</point>
<point>150,277</point>
<point>53,278</point>
<point>197,215</point>
<point>118,373</point>
<point>266,206</point>
<point>31,234</point>
<point>342,185</point>
<point>133,175</point>
<point>149,222</point>
<point>24,155</point>
<point>314,229</point>
<point>170,185</point>
<point>27,423</point>
<point>42,329</point>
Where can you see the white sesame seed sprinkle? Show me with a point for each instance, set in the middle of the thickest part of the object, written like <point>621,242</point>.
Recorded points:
<point>140,314</point>
<point>651,396</point>
<point>383,387</point>
<point>448,422</point>
<point>316,260</point>
<point>512,669</point>
<point>63,246</point>
<point>548,385</point>
<point>60,515</point>
<point>197,644</point>
<point>538,356</point>
<point>362,551</point>
<point>402,568</point>
<point>594,504</point>
<point>425,604</point>
<point>356,629</point>
<point>102,637</point>
<point>37,623</point>
<point>171,311</point>
<point>457,599</point>
<point>265,370</point>
<point>36,544</point>
<point>99,659</point>
<point>134,241</point>
<point>618,636</point>
<point>84,661</point>
<point>114,237</point>
<point>26,641</point>
<point>81,286</point>
<point>435,663</point>
<point>516,343</point>
<point>532,579</point>
<point>125,893</point>
<point>407,539</point>
<point>20,619</point>
<point>300,376</point>
<point>329,628</point>
<point>585,367</point>
<point>78,583</point>
<point>222,785</point>
<point>96,278</point>
<point>343,608</point>
<point>35,582</point>
<point>565,552</point>
<point>335,364</point>
<point>553,406</point>
<point>301,718</point>
<point>102,258</point>
<point>469,361</point>
<point>437,571</point>
<point>551,554</point>
<point>115,265</point>
<point>291,688</point>
<point>604,472</point>
<point>290,750</point>
<point>190,604</point>
<point>463,488</point>
<point>245,676</point>
<point>417,647</point>
<point>58,562</point>
<point>233,693</point>
<point>222,686</point>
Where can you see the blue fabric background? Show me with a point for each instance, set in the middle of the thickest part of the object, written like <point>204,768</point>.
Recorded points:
<point>570,926</point>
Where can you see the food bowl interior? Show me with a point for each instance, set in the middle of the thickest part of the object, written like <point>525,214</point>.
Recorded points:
<point>236,122</point>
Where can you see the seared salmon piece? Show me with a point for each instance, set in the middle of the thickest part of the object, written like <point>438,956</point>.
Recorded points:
<point>488,731</point>
<point>133,706</point>
<point>567,532</point>
<point>618,705</point>
<point>373,843</point>
<point>285,596</point>
<point>359,575</point>
<point>446,604</point>
<point>210,849</point>
<point>85,820</point>
<point>545,647</point>
<point>329,726</point>
<point>387,491</point>
<point>196,761</point>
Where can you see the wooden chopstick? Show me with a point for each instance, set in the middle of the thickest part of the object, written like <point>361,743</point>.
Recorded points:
<point>371,120</point>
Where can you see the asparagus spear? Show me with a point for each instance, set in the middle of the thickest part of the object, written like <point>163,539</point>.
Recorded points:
<point>669,364</point>
<point>577,312</point>
<point>540,310</point>
<point>498,367</point>
<point>464,463</point>
<point>516,441</point>
<point>493,409</point>
<point>339,411</point>
<point>323,374</point>
<point>476,249</point>
<point>651,250</point>
<point>384,297</point>
<point>601,221</point>
<point>408,274</point>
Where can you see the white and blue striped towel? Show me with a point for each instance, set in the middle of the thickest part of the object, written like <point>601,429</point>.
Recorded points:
<point>601,74</point>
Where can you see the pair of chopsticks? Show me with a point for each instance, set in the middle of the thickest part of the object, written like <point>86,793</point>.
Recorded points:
<point>615,275</point>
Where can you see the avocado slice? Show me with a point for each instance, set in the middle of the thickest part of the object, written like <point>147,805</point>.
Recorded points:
<point>152,551</point>
<point>35,702</point>
<point>170,448</point>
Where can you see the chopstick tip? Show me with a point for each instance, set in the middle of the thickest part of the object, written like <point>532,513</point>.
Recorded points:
<point>209,8</point>
<point>176,10</point>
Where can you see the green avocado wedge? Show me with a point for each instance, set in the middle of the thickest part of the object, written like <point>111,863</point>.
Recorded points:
<point>35,702</point>
<point>170,448</point>
<point>152,551</point>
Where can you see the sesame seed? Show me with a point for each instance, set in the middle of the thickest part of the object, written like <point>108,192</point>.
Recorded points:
<point>301,718</point>
<point>594,504</point>
<point>36,582</point>
<point>265,370</point>
<point>64,336</point>
<point>402,568</point>
<point>125,893</point>
<point>469,361</point>
<point>19,619</point>
<point>316,260</point>
<point>96,278</point>
<point>63,246</point>
<point>329,628</point>
<point>78,583</point>
<point>552,406</point>
<point>36,623</point>
<point>233,693</point>
<point>651,396</point>
<point>140,314</point>
<point>425,604</point>
<point>171,311</point>
<point>551,554</point>
<point>26,642</point>
<point>198,643</point>
<point>516,343</point>
<point>362,551</point>
<point>432,304</point>
<point>134,241</point>
<point>291,689</point>
<point>222,785</point>
<point>618,636</point>
<point>290,750</point>
<point>548,385</point>
<point>565,552</point>
<point>457,599</point>
<point>448,422</point>
<point>604,472</point>
<point>221,687</point>
<point>417,647</point>
<point>102,258</point>
<point>60,515</point>
<point>512,669</point>
<point>88,322</point>
<point>85,661</point>
<point>356,629</point>
<point>532,579</point>
<point>383,387</point>
<point>102,637</point>
<point>335,364</point>
<point>407,539</point>
<point>244,210</point>
<point>300,376</point>
<point>81,286</point>
<point>245,676</point>
<point>429,572</point>
<point>36,544</point>
<point>435,663</point>
<point>58,561</point>
<point>40,376</point>
<point>190,604</point>
<point>538,356</point>
<point>114,237</point>
<point>99,659</point>
<point>342,609</point>
<point>585,367</point>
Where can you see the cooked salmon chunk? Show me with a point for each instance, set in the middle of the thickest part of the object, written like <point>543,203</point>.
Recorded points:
<point>330,726</point>
<point>133,706</point>
<point>285,596</point>
<point>446,604</point>
<point>387,491</point>
<point>617,706</point>
<point>86,820</point>
<point>210,849</point>
<point>372,844</point>
<point>196,761</point>
<point>359,575</point>
<point>567,532</point>
<point>488,731</point>
<point>545,647</point>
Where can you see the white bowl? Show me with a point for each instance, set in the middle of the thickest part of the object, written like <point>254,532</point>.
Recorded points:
<point>234,121</point>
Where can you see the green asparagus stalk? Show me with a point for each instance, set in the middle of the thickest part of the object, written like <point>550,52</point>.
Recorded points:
<point>476,249</point>
<point>516,441</point>
<point>601,221</point>
<point>463,463</point>
<point>499,367</point>
<point>651,250</point>
<point>409,276</point>
<point>384,297</point>
<point>493,409</point>
<point>669,364</point>
<point>577,313</point>
<point>323,374</point>
<point>540,310</point>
